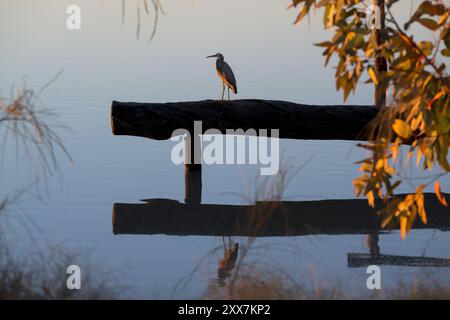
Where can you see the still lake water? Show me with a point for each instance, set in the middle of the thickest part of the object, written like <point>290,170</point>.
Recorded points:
<point>103,62</point>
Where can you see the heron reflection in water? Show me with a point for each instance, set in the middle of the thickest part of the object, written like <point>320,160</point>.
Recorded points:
<point>226,265</point>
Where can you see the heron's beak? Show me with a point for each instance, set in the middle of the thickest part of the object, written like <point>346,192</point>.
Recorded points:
<point>213,56</point>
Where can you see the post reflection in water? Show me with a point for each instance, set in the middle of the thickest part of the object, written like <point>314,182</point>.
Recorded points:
<point>357,260</point>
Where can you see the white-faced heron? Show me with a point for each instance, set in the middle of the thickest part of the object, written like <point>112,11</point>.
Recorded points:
<point>225,74</point>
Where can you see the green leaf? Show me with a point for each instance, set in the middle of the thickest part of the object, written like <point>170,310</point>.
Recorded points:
<point>433,9</point>
<point>428,23</point>
<point>324,44</point>
<point>426,7</point>
<point>445,35</point>
<point>445,52</point>
<point>405,65</point>
<point>426,47</point>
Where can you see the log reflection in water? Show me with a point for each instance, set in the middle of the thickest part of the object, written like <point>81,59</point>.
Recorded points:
<point>281,218</point>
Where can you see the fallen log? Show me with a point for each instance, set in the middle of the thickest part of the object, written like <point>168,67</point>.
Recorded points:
<point>294,121</point>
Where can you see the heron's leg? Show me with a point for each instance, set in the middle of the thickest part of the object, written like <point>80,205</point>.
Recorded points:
<point>223,89</point>
<point>228,93</point>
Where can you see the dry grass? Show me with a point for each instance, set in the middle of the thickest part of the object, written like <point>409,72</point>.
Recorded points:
<point>256,282</point>
<point>270,283</point>
<point>25,120</point>
<point>27,125</point>
<point>156,8</point>
<point>420,289</point>
<point>43,276</point>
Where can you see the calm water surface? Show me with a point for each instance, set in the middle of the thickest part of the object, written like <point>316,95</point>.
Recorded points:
<point>103,62</point>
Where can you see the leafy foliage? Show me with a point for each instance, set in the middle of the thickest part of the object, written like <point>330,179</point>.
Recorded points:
<point>418,112</point>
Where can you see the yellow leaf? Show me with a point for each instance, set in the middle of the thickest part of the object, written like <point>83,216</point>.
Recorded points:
<point>405,65</point>
<point>419,157</point>
<point>410,154</point>
<point>405,38</point>
<point>339,8</point>
<point>402,129</point>
<point>380,164</point>
<point>373,76</point>
<point>389,170</point>
<point>420,206</point>
<point>370,199</point>
<point>436,97</point>
<point>439,195</point>
<point>403,223</point>
<point>415,123</point>
<point>394,149</point>
<point>366,167</point>
<point>386,220</point>
<point>420,189</point>
<point>443,19</point>
<point>409,200</point>
<point>330,16</point>
<point>402,206</point>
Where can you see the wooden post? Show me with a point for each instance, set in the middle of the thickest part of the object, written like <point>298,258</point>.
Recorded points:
<point>193,152</point>
<point>380,61</point>
<point>192,170</point>
<point>372,242</point>
<point>192,186</point>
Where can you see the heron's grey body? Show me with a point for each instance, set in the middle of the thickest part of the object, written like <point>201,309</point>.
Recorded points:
<point>225,74</point>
